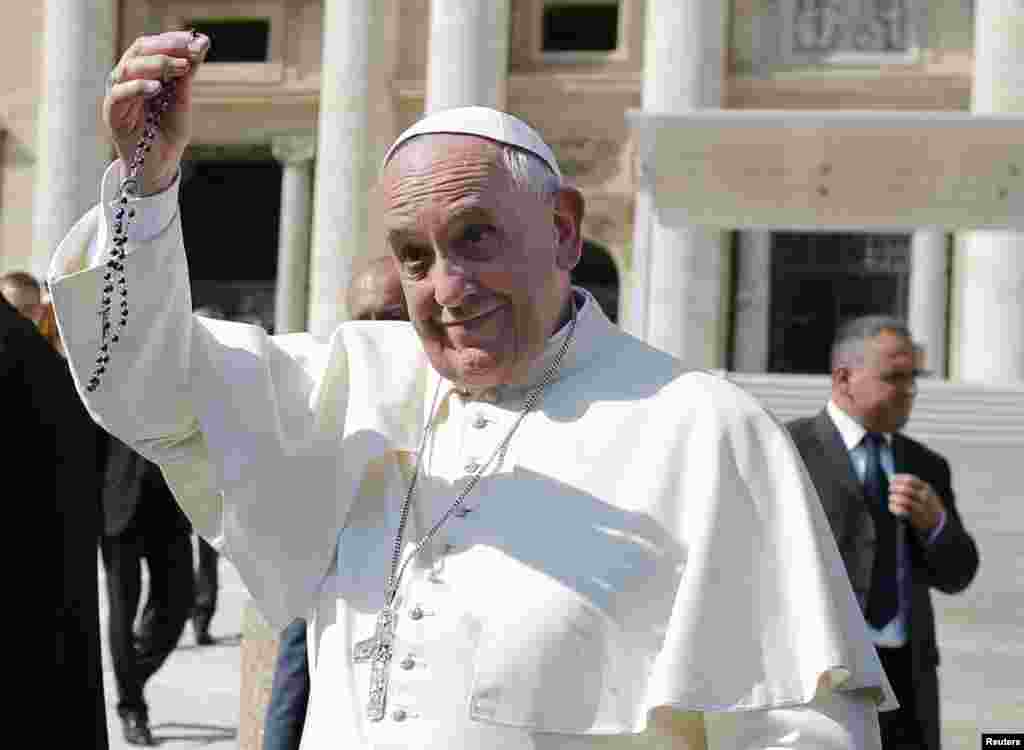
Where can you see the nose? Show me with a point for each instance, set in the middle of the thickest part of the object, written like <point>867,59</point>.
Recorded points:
<point>452,282</point>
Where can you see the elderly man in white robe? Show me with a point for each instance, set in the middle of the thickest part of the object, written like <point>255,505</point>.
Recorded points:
<point>509,524</point>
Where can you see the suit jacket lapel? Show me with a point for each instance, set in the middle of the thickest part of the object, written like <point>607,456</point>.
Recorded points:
<point>899,454</point>
<point>838,456</point>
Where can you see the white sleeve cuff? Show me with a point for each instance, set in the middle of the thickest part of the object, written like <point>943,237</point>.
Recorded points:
<point>152,212</point>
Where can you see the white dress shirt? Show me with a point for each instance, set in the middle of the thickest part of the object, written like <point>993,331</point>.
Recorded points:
<point>894,633</point>
<point>649,542</point>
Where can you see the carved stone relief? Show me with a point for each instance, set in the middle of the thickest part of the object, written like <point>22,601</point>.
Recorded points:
<point>851,31</point>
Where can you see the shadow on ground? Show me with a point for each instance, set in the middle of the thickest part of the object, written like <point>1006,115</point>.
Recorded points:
<point>234,639</point>
<point>204,734</point>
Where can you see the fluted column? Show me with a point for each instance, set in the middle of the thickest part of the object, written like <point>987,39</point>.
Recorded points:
<point>682,270</point>
<point>928,307</point>
<point>989,280</point>
<point>72,147</point>
<point>752,329</point>
<point>468,53</point>
<point>296,154</point>
<point>347,153</point>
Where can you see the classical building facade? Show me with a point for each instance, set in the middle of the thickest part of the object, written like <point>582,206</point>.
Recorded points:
<point>301,97</point>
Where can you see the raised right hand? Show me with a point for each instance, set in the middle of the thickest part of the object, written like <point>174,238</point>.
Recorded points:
<point>141,74</point>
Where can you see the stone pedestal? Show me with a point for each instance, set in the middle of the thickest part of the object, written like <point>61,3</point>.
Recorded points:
<point>72,145</point>
<point>681,271</point>
<point>259,654</point>
<point>989,269</point>
<point>296,153</point>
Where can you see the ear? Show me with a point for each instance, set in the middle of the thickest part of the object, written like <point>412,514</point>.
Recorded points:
<point>840,380</point>
<point>569,207</point>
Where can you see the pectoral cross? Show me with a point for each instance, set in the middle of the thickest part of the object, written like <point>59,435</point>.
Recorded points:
<point>378,650</point>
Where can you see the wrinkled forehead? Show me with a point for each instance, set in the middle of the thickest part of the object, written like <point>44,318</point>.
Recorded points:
<point>442,171</point>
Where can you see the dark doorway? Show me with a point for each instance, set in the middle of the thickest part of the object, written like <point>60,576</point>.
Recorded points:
<point>597,274</point>
<point>230,212</point>
<point>821,280</point>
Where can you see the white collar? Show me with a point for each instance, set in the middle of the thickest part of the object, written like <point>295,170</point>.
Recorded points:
<point>850,429</point>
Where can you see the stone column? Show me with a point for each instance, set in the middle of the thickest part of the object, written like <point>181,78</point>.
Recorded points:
<point>468,59</point>
<point>989,280</point>
<point>257,661</point>
<point>752,327</point>
<point>296,154</point>
<point>72,145</point>
<point>929,295</point>
<point>347,153</point>
<point>686,267</point>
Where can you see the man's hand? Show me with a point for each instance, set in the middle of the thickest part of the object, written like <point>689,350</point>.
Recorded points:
<point>914,499</point>
<point>148,64</point>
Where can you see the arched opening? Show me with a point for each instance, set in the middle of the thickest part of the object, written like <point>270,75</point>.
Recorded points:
<point>596,272</point>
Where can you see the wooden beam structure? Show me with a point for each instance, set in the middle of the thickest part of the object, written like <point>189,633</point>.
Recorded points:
<point>833,170</point>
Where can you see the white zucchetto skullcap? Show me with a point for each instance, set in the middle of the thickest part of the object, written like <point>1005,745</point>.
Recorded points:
<point>484,122</point>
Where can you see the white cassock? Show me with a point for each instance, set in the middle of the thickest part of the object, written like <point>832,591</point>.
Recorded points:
<point>650,540</point>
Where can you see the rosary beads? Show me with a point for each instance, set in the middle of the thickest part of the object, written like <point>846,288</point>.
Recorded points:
<point>114,279</point>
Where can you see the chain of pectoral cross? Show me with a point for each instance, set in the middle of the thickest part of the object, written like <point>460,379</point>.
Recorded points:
<point>378,650</point>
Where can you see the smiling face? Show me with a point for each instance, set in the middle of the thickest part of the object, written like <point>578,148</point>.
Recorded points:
<point>484,262</point>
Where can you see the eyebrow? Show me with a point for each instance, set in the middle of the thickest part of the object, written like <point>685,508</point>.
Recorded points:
<point>457,218</point>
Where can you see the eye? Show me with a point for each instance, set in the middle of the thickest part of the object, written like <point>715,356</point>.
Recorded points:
<point>474,234</point>
<point>415,261</point>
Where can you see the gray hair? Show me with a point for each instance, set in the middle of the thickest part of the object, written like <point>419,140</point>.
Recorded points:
<point>530,173</point>
<point>848,345</point>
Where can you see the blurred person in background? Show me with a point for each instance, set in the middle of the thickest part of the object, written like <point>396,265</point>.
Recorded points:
<point>142,522</point>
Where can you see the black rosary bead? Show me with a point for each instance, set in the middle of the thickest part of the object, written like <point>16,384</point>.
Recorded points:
<point>123,214</point>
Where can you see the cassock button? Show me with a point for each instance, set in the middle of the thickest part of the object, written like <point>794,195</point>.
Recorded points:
<point>472,467</point>
<point>399,714</point>
<point>407,663</point>
<point>481,421</point>
<point>416,613</point>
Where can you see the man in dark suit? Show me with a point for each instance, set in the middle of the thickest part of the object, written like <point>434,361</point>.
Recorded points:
<point>55,433</point>
<point>889,500</point>
<point>142,520</point>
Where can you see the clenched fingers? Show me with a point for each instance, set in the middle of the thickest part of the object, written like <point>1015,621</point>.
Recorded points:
<point>912,498</point>
<point>152,67</point>
<point>172,44</point>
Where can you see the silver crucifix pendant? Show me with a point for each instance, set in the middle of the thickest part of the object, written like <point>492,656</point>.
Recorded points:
<point>378,651</point>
